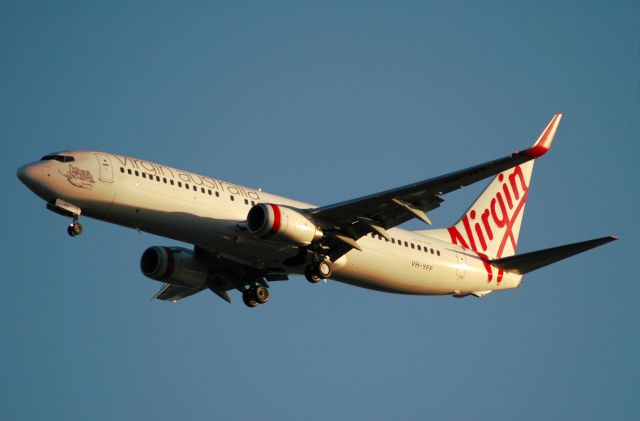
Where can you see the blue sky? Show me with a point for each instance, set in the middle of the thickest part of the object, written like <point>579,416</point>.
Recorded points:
<point>322,101</point>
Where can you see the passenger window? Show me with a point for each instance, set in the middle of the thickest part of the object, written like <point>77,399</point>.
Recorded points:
<point>246,202</point>
<point>201,189</point>
<point>217,194</point>
<point>253,203</point>
<point>171,182</point>
<point>413,246</point>
<point>406,244</point>
<point>209,191</point>
<point>144,175</point>
<point>431,251</point>
<point>232,198</point>
<point>195,188</point>
<point>129,171</point>
<point>438,252</point>
<point>122,170</point>
<point>393,241</point>
<point>179,184</point>
<point>186,186</point>
<point>137,173</point>
<point>164,180</point>
<point>419,247</point>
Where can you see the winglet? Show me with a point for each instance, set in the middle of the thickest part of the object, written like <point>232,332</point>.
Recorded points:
<point>543,144</point>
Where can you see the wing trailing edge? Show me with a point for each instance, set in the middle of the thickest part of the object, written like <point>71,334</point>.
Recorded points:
<point>527,262</point>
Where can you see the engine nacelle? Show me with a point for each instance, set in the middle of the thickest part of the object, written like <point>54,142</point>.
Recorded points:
<point>282,224</point>
<point>174,265</point>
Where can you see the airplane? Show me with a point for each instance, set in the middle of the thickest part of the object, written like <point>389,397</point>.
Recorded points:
<point>244,238</point>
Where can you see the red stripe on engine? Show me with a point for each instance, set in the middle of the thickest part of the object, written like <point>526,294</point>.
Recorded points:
<point>276,220</point>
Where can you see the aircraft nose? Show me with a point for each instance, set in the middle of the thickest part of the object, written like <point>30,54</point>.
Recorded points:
<point>29,174</point>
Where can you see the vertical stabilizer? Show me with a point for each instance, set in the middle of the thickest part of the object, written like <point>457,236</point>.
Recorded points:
<point>491,226</point>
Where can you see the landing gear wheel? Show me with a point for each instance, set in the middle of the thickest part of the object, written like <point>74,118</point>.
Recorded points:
<point>261,294</point>
<point>248,300</point>
<point>74,229</point>
<point>322,269</point>
<point>311,275</point>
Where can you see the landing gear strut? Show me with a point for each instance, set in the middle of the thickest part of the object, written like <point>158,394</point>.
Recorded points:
<point>317,271</point>
<point>75,228</point>
<point>256,295</point>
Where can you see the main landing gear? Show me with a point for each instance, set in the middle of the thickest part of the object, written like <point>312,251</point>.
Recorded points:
<point>317,271</point>
<point>75,228</point>
<point>258,294</point>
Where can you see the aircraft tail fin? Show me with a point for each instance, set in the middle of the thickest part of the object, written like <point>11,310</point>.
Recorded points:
<point>491,226</point>
<point>527,262</point>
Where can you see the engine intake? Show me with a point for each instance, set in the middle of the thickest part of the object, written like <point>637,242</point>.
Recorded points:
<point>174,265</point>
<point>282,224</point>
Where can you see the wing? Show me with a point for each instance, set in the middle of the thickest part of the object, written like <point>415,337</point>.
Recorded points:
<point>174,293</point>
<point>224,275</point>
<point>347,221</point>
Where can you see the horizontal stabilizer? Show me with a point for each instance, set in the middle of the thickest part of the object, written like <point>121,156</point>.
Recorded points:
<point>527,262</point>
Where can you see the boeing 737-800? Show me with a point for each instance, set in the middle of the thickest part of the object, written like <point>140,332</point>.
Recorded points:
<point>245,238</point>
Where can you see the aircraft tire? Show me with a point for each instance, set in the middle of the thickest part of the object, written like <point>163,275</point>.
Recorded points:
<point>76,228</point>
<point>260,294</point>
<point>311,275</point>
<point>248,300</point>
<point>323,269</point>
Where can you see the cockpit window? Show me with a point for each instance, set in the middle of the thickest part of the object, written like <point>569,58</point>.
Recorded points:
<point>61,158</point>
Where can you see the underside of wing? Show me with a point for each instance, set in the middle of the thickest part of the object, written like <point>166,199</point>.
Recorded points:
<point>170,292</point>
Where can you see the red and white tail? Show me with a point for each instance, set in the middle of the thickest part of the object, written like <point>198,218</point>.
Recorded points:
<point>491,225</point>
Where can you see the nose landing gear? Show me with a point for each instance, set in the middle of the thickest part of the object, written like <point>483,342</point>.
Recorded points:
<point>75,228</point>
<point>69,210</point>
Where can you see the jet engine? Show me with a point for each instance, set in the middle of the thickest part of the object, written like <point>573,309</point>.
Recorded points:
<point>282,224</point>
<point>174,265</point>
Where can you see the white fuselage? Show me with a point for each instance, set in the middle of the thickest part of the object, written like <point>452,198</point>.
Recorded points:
<point>209,213</point>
